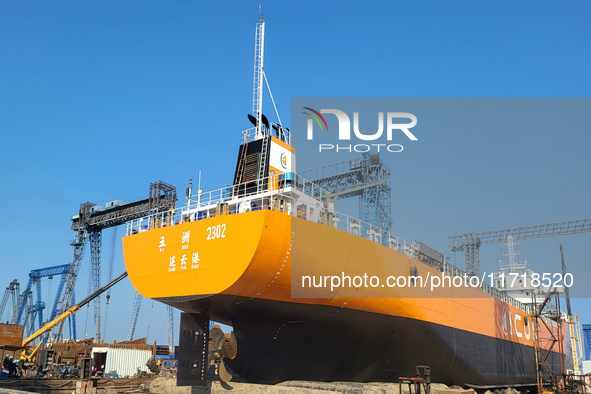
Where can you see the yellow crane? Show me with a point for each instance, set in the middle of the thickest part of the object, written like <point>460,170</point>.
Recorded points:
<point>28,354</point>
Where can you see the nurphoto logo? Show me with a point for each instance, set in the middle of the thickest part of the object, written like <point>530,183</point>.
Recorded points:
<point>344,130</point>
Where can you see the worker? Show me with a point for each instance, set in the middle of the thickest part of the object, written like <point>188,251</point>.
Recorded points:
<point>11,368</point>
<point>17,369</point>
<point>6,363</point>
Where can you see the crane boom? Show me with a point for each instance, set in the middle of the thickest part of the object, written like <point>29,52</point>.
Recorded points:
<point>470,242</point>
<point>70,311</point>
<point>523,232</point>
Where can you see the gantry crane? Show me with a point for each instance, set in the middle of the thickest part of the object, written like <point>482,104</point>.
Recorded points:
<point>12,291</point>
<point>26,298</point>
<point>470,242</point>
<point>88,224</point>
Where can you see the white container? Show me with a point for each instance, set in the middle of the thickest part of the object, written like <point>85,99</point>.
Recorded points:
<point>125,362</point>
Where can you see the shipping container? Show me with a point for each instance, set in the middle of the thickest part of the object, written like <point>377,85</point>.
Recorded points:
<point>124,362</point>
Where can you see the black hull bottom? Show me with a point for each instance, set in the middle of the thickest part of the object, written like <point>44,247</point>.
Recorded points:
<point>279,341</point>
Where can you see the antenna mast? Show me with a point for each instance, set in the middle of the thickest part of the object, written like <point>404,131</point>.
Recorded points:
<point>257,94</point>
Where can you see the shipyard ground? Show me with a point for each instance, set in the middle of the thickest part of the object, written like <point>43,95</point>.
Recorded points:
<point>77,386</point>
<point>167,385</point>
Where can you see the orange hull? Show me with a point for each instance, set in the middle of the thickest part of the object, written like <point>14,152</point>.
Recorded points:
<point>260,256</point>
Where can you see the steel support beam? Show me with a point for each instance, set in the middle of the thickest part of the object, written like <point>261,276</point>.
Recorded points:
<point>170,316</point>
<point>69,284</point>
<point>137,303</point>
<point>96,243</point>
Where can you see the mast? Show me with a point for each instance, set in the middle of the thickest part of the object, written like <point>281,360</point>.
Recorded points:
<point>257,94</point>
<point>570,321</point>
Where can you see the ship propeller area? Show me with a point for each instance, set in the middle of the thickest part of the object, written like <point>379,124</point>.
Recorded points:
<point>222,349</point>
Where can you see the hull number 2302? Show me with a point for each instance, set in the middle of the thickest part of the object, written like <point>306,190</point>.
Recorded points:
<point>215,232</point>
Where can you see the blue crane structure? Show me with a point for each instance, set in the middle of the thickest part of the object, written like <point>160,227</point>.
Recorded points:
<point>88,224</point>
<point>587,341</point>
<point>28,309</point>
<point>365,177</point>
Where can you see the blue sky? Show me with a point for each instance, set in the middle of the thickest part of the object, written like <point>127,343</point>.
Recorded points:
<point>97,100</point>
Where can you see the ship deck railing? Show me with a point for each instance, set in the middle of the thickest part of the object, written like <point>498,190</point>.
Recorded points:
<point>265,194</point>
<point>269,194</point>
<point>253,195</point>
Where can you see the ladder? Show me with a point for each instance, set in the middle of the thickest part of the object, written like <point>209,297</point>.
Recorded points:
<point>263,163</point>
<point>240,174</point>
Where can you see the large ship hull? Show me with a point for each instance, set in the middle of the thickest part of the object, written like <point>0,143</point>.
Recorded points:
<point>281,341</point>
<point>242,275</point>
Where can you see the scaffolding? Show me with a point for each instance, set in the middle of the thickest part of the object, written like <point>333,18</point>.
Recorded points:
<point>548,341</point>
<point>366,177</point>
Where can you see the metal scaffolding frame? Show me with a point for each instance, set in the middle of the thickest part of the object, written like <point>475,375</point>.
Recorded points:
<point>366,177</point>
<point>546,371</point>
